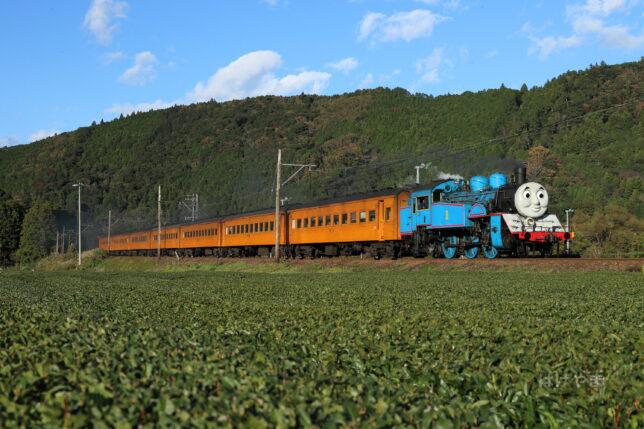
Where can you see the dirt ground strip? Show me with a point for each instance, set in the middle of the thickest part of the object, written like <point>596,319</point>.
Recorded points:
<point>479,264</point>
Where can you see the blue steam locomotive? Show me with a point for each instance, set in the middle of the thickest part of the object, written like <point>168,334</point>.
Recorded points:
<point>492,215</point>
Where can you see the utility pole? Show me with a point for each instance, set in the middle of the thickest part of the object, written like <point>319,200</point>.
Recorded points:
<point>109,230</point>
<point>159,224</point>
<point>63,246</point>
<point>278,183</point>
<point>79,185</point>
<point>57,238</point>
<point>278,201</point>
<point>568,212</point>
<point>418,167</point>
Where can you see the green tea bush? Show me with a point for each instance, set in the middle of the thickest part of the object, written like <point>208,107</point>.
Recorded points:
<point>326,350</point>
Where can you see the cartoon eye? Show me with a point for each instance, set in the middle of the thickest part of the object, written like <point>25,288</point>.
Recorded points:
<point>527,195</point>
<point>541,195</point>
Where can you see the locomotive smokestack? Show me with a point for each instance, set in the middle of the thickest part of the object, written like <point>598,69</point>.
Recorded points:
<point>519,175</point>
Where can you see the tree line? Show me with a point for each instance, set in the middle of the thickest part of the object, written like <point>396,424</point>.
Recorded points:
<point>580,133</point>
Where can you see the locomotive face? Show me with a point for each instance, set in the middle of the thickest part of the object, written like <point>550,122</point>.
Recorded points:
<point>531,200</point>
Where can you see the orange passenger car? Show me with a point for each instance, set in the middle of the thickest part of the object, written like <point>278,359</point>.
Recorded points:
<point>368,223</point>
<point>348,225</point>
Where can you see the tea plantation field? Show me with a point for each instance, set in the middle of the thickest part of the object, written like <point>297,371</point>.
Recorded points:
<point>378,348</point>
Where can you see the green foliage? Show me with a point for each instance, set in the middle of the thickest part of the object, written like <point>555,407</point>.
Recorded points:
<point>11,215</point>
<point>353,349</point>
<point>588,123</point>
<point>37,236</point>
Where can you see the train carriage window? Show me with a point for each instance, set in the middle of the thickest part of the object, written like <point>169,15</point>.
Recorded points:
<point>372,215</point>
<point>344,218</point>
<point>272,225</point>
<point>327,220</point>
<point>423,202</point>
<point>251,228</point>
<point>256,227</point>
<point>266,226</point>
<point>437,195</point>
<point>293,224</point>
<point>246,228</point>
<point>312,222</point>
<point>387,213</point>
<point>363,217</point>
<point>336,219</point>
<point>320,220</point>
<point>299,223</point>
<point>353,217</point>
<point>306,222</point>
<point>413,208</point>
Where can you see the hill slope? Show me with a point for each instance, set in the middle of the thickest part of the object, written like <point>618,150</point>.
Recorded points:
<point>581,134</point>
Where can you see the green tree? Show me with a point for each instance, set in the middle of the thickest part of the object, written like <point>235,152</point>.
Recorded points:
<point>37,234</point>
<point>11,215</point>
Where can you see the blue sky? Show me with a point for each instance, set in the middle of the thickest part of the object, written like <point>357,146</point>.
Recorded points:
<point>67,63</point>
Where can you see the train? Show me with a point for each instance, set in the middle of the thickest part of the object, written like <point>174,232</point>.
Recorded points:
<point>492,216</point>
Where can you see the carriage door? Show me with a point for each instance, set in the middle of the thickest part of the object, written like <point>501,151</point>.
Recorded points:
<point>381,219</point>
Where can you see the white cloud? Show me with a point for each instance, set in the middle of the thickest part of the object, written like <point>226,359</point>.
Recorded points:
<point>545,46</point>
<point>616,36</point>
<point>8,141</point>
<point>111,57</point>
<point>492,54</point>
<point>41,134</point>
<point>429,66</point>
<point>143,70</point>
<point>448,4</point>
<point>405,26</point>
<point>369,24</point>
<point>588,21</point>
<point>127,108</point>
<point>366,81</point>
<point>345,65</point>
<point>100,17</point>
<point>600,7</point>
<point>251,75</point>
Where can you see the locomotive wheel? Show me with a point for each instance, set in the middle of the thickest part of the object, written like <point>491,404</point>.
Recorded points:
<point>450,250</point>
<point>472,252</point>
<point>490,251</point>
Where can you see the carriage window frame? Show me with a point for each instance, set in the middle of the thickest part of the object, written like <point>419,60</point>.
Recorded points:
<point>363,217</point>
<point>336,219</point>
<point>345,218</point>
<point>372,215</point>
<point>354,218</point>
<point>387,213</point>
<point>327,220</point>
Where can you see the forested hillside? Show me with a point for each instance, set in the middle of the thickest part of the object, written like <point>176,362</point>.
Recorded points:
<point>581,135</point>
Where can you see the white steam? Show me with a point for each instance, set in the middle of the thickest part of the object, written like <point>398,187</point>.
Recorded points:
<point>446,176</point>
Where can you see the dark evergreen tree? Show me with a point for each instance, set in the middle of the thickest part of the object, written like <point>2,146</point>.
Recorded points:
<point>37,236</point>
<point>11,215</point>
